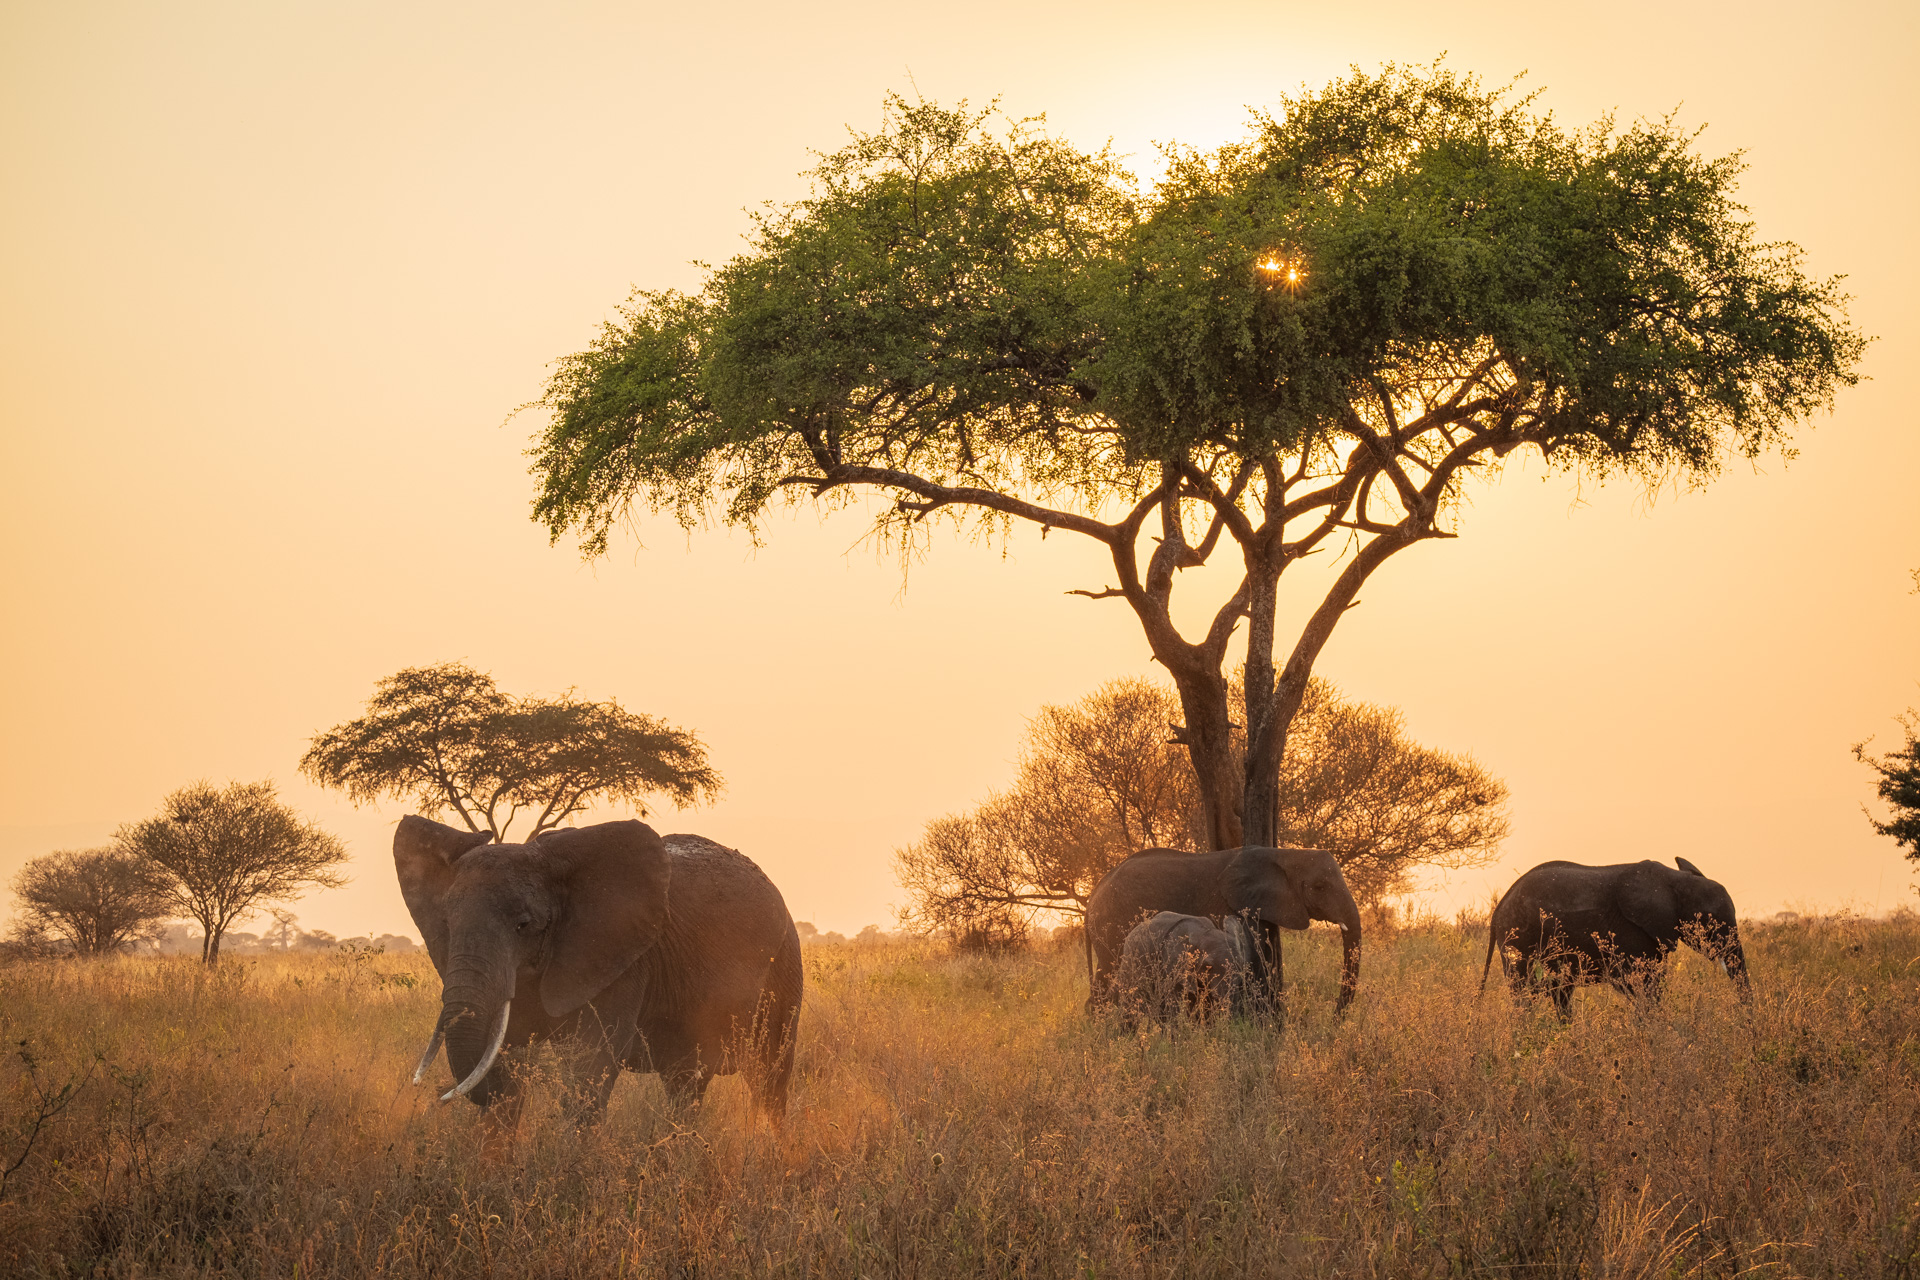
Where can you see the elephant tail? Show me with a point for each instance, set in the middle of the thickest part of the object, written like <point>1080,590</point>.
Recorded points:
<point>1086,937</point>
<point>1487,966</point>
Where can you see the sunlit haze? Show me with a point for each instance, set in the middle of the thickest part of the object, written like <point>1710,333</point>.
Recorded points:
<point>274,279</point>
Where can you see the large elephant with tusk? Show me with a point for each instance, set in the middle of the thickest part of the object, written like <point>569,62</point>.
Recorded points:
<point>671,955</point>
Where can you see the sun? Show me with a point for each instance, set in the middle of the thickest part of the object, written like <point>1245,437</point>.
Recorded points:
<point>1287,271</point>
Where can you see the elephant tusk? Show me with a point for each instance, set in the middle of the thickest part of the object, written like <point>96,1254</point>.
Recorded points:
<point>479,1073</point>
<point>433,1048</point>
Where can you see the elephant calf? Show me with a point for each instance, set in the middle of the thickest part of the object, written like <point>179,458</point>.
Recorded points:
<point>1618,924</point>
<point>1172,964</point>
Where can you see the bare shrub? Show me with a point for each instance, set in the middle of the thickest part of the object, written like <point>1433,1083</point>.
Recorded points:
<point>1103,778</point>
<point>88,901</point>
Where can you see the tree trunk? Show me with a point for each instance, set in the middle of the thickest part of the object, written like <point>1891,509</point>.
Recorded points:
<point>1266,723</point>
<point>1209,742</point>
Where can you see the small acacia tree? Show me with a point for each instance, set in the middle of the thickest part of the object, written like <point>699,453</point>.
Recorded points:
<point>1899,785</point>
<point>96,901</point>
<point>446,739</point>
<point>227,852</point>
<point>1300,343</point>
<point>1099,780</point>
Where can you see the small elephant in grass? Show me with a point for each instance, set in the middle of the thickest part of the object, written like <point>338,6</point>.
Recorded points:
<point>1173,964</point>
<point>675,956</point>
<point>1616,924</point>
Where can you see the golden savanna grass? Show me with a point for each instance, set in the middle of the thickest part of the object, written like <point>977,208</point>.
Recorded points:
<point>961,1116</point>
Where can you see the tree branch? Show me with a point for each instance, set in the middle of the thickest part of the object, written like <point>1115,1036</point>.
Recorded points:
<point>936,496</point>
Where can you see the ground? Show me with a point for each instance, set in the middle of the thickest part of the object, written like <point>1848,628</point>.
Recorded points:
<point>962,1116</point>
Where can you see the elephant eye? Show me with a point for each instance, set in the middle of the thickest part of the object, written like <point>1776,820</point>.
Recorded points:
<point>522,926</point>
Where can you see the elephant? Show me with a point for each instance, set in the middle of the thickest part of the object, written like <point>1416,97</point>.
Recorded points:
<point>1268,889</point>
<point>1616,923</point>
<point>672,955</point>
<point>1172,964</point>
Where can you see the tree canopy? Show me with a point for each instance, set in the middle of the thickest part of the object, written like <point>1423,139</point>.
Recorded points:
<point>1098,780</point>
<point>227,851</point>
<point>1899,784</point>
<point>445,738</point>
<point>95,901</point>
<point>1302,342</point>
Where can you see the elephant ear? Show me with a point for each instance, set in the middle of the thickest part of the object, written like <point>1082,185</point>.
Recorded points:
<point>612,878</point>
<point>1689,868</point>
<point>424,852</point>
<point>1648,901</point>
<point>1255,880</point>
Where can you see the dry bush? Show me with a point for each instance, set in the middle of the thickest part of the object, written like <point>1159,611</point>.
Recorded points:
<point>960,1115</point>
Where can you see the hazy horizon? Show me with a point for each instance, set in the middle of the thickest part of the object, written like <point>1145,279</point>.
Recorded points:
<point>276,279</point>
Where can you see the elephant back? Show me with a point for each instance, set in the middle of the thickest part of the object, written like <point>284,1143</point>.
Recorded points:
<point>715,887</point>
<point>1149,881</point>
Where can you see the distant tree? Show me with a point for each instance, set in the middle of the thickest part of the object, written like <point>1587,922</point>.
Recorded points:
<point>1301,344</point>
<point>1899,784</point>
<point>1095,781</point>
<point>1100,779</point>
<point>95,901</point>
<point>29,940</point>
<point>445,739</point>
<point>1354,783</point>
<point>285,929</point>
<point>227,852</point>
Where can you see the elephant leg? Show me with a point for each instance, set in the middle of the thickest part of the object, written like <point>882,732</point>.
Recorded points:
<point>605,1036</point>
<point>1520,980</point>
<point>585,1100</point>
<point>773,1060</point>
<point>1645,982</point>
<point>1200,1007</point>
<point>1562,978</point>
<point>1101,989</point>
<point>1269,977</point>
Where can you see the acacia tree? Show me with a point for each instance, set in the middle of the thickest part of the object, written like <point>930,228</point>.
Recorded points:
<point>1302,342</point>
<point>1899,783</point>
<point>445,738</point>
<point>227,852</point>
<point>1098,781</point>
<point>95,900</point>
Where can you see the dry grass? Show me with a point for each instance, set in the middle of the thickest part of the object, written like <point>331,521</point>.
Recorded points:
<point>958,1116</point>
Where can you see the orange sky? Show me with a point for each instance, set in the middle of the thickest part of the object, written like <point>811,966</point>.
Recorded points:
<point>272,278</point>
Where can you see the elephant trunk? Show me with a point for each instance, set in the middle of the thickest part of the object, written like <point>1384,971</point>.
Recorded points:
<point>473,1035</point>
<point>479,989</point>
<point>1349,922</point>
<point>474,1070</point>
<point>1734,957</point>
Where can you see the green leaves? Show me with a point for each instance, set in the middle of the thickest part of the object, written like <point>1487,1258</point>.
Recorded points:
<point>999,309</point>
<point>1299,341</point>
<point>922,311</point>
